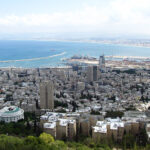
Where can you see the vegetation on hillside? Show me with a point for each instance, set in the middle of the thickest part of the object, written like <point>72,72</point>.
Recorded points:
<point>22,128</point>
<point>114,114</point>
<point>47,142</point>
<point>26,135</point>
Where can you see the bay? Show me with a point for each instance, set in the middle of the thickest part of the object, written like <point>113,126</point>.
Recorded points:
<point>34,54</point>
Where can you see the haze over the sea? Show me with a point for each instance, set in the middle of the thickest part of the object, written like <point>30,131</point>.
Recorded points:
<point>71,19</point>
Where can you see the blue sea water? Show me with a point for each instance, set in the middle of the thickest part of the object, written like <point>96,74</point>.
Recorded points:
<point>36,53</point>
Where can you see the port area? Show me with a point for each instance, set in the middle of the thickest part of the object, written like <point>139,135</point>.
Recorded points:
<point>128,62</point>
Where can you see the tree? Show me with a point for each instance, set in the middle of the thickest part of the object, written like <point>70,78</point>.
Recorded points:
<point>37,104</point>
<point>74,106</point>
<point>31,140</point>
<point>58,145</point>
<point>93,112</point>
<point>10,143</point>
<point>114,114</point>
<point>128,141</point>
<point>142,138</point>
<point>34,143</point>
<point>47,138</point>
<point>147,147</point>
<point>89,142</point>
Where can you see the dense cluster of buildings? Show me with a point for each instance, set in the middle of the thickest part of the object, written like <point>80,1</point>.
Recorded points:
<point>71,125</point>
<point>59,125</point>
<point>132,122</point>
<point>69,98</point>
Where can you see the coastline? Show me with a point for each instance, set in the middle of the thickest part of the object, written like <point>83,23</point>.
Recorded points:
<point>84,61</point>
<point>99,42</point>
<point>59,62</point>
<point>85,41</point>
<point>32,59</point>
<point>22,68</point>
<point>129,57</point>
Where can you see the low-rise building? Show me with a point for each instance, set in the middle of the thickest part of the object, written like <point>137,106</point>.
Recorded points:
<point>11,114</point>
<point>59,125</point>
<point>50,127</point>
<point>109,128</point>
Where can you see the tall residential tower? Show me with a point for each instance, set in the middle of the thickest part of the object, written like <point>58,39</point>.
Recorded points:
<point>47,95</point>
<point>92,73</point>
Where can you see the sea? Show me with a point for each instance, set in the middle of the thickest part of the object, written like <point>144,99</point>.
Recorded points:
<point>39,54</point>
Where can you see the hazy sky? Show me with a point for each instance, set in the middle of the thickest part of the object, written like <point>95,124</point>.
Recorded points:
<point>110,17</point>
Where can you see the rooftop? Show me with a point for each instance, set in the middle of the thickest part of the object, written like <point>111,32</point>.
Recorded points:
<point>50,125</point>
<point>11,111</point>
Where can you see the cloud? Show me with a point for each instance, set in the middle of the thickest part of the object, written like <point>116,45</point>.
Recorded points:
<point>118,16</point>
<point>87,16</point>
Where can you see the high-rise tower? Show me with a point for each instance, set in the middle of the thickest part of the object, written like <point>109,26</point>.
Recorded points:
<point>92,73</point>
<point>47,95</point>
<point>102,62</point>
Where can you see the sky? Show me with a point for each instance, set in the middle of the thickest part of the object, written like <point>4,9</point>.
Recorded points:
<point>86,17</point>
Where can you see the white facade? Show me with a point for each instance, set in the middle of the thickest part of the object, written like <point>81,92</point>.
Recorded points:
<point>11,114</point>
